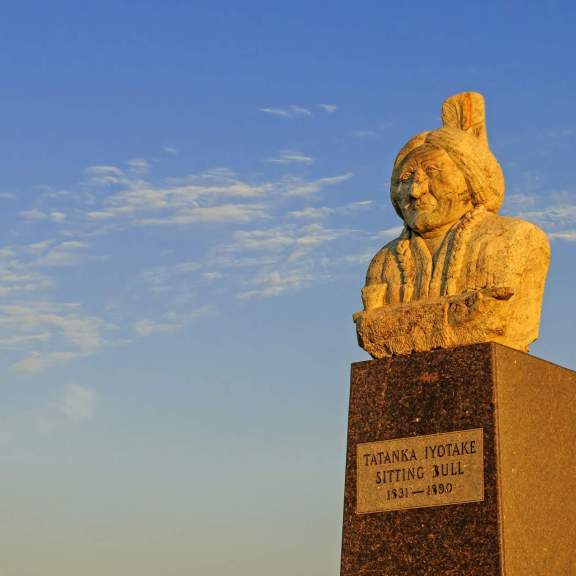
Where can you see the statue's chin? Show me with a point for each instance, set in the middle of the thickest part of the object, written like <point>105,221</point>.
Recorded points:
<point>429,225</point>
<point>422,225</point>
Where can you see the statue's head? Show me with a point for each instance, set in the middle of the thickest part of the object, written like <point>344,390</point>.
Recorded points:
<point>439,176</point>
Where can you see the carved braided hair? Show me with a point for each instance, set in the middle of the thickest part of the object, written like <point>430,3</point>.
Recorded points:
<point>459,242</point>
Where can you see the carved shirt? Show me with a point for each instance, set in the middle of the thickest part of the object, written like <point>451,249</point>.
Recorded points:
<point>483,250</point>
<point>425,303</point>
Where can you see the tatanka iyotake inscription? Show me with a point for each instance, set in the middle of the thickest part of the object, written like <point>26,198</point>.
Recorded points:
<point>420,471</point>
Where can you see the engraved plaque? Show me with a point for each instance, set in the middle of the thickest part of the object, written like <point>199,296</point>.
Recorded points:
<point>420,471</point>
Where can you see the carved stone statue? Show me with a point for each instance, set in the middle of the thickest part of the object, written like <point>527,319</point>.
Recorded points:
<point>458,273</point>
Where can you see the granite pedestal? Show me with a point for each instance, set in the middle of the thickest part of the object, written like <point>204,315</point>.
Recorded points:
<point>461,462</point>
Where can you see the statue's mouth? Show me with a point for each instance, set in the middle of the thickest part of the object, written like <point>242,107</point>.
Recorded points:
<point>422,206</point>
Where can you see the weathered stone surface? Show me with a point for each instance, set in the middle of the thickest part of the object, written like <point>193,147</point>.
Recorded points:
<point>526,522</point>
<point>459,273</point>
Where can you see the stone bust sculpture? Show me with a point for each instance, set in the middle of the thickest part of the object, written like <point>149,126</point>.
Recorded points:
<point>459,273</point>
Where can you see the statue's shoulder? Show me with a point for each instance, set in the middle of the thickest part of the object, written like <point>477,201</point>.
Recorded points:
<point>380,260</point>
<point>513,232</point>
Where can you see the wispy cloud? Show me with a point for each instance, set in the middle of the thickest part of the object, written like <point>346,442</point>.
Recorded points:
<point>192,200</point>
<point>294,186</point>
<point>286,237</point>
<point>569,235</point>
<point>67,253</point>
<point>77,403</point>
<point>272,261</point>
<point>222,236</point>
<point>519,200</point>
<point>146,326</point>
<point>364,134</point>
<point>204,197</point>
<point>18,280</point>
<point>313,212</point>
<point>559,215</point>
<point>275,283</point>
<point>320,212</point>
<point>330,108</point>
<point>225,213</point>
<point>102,174</point>
<point>35,214</point>
<point>387,233</point>
<point>138,166</point>
<point>49,333</point>
<point>170,322</point>
<point>558,220</point>
<point>291,157</point>
<point>292,111</point>
<point>68,405</point>
<point>251,259</point>
<point>162,279</point>
<point>362,258</point>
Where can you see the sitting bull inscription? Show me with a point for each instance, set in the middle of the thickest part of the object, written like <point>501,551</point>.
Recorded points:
<point>420,472</point>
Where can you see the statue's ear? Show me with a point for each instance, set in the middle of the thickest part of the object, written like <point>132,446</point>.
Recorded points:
<point>465,111</point>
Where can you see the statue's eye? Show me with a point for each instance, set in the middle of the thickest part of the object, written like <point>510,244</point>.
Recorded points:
<point>405,176</point>
<point>432,170</point>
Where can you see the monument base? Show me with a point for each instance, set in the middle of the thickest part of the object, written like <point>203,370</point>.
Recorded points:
<point>461,462</point>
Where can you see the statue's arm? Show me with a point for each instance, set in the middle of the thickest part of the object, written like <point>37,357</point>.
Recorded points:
<point>375,272</point>
<point>374,291</point>
<point>473,316</point>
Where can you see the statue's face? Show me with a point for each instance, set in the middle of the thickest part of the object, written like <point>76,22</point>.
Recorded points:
<point>431,192</point>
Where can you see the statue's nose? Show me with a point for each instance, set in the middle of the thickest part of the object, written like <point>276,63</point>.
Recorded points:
<point>419,186</point>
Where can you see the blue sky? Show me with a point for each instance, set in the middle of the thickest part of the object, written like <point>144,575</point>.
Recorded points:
<point>189,198</point>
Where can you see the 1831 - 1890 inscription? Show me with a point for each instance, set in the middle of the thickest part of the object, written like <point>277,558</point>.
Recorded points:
<point>420,471</point>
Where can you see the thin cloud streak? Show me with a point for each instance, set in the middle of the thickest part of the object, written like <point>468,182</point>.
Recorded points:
<point>292,111</point>
<point>321,212</point>
<point>274,283</point>
<point>68,253</point>
<point>35,214</point>
<point>387,233</point>
<point>223,214</point>
<point>568,235</point>
<point>551,215</point>
<point>297,187</point>
<point>170,322</point>
<point>291,157</point>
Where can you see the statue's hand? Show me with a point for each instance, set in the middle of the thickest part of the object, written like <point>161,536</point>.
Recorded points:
<point>498,293</point>
<point>471,305</point>
<point>374,295</point>
<point>357,316</point>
